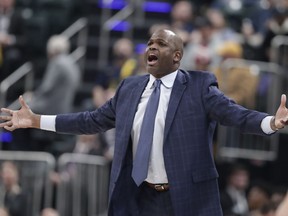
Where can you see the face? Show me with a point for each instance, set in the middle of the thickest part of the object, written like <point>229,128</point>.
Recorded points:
<point>9,174</point>
<point>6,4</point>
<point>163,53</point>
<point>240,179</point>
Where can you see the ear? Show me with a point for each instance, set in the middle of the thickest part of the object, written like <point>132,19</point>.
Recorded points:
<point>177,57</point>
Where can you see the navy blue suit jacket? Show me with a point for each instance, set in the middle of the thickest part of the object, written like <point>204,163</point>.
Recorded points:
<point>195,106</point>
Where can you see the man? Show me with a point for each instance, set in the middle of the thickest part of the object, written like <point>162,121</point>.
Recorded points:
<point>233,197</point>
<point>61,80</point>
<point>12,196</point>
<point>12,38</point>
<point>54,95</point>
<point>181,179</point>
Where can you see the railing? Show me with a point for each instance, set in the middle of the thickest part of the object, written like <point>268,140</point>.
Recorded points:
<point>84,186</point>
<point>279,50</point>
<point>233,144</point>
<point>79,26</point>
<point>80,29</point>
<point>82,190</point>
<point>26,70</point>
<point>34,169</point>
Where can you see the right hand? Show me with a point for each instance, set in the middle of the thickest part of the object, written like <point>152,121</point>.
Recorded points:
<point>23,118</point>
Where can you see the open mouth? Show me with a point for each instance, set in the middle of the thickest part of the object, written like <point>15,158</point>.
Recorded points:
<point>152,59</point>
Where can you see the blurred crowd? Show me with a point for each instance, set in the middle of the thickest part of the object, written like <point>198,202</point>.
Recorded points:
<point>212,31</point>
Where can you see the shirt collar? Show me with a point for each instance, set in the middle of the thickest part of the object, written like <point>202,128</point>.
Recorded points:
<point>167,80</point>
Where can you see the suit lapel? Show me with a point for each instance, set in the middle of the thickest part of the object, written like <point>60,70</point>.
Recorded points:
<point>176,95</point>
<point>135,96</point>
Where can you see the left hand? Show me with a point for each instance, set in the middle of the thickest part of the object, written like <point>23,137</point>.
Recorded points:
<point>281,117</point>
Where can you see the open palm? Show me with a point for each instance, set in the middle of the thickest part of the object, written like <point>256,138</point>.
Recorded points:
<point>281,117</point>
<point>22,118</point>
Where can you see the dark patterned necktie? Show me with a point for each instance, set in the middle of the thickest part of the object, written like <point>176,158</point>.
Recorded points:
<point>141,160</point>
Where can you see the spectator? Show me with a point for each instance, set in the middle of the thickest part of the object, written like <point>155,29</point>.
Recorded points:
<point>221,30</point>
<point>12,38</point>
<point>277,25</point>
<point>250,40</point>
<point>182,16</point>
<point>233,198</point>
<point>122,65</point>
<point>54,95</point>
<point>203,59</point>
<point>203,38</point>
<point>258,196</point>
<point>61,80</point>
<point>237,81</point>
<point>11,193</point>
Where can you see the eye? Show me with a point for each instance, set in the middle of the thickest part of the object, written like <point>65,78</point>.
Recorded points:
<point>161,43</point>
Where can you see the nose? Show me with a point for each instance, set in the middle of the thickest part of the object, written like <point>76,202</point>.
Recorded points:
<point>151,48</point>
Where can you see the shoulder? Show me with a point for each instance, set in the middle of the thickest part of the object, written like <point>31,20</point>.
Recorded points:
<point>135,80</point>
<point>199,75</point>
<point>64,62</point>
<point>62,58</point>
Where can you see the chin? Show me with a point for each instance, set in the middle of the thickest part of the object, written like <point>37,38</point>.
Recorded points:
<point>157,75</point>
<point>153,71</point>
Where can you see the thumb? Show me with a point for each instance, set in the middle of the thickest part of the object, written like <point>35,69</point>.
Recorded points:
<point>283,101</point>
<point>22,102</point>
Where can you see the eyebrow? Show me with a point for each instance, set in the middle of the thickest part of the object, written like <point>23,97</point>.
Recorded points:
<point>157,39</point>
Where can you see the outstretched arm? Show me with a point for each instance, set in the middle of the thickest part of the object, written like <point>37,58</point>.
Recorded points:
<point>23,118</point>
<point>281,118</point>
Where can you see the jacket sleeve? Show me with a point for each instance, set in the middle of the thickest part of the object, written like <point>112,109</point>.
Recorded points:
<point>227,112</point>
<point>89,122</point>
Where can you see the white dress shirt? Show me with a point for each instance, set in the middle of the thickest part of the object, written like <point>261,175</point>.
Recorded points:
<point>156,170</point>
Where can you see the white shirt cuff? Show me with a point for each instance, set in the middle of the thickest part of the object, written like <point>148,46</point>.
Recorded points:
<point>47,122</point>
<point>265,125</point>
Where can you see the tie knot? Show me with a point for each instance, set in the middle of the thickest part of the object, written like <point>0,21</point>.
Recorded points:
<point>157,83</point>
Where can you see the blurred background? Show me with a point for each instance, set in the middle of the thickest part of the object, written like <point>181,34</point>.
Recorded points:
<point>70,55</point>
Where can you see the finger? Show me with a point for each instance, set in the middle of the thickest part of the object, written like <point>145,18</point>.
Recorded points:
<point>7,111</point>
<point>6,124</point>
<point>22,102</point>
<point>5,118</point>
<point>284,122</point>
<point>3,124</point>
<point>9,123</point>
<point>283,100</point>
<point>10,128</point>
